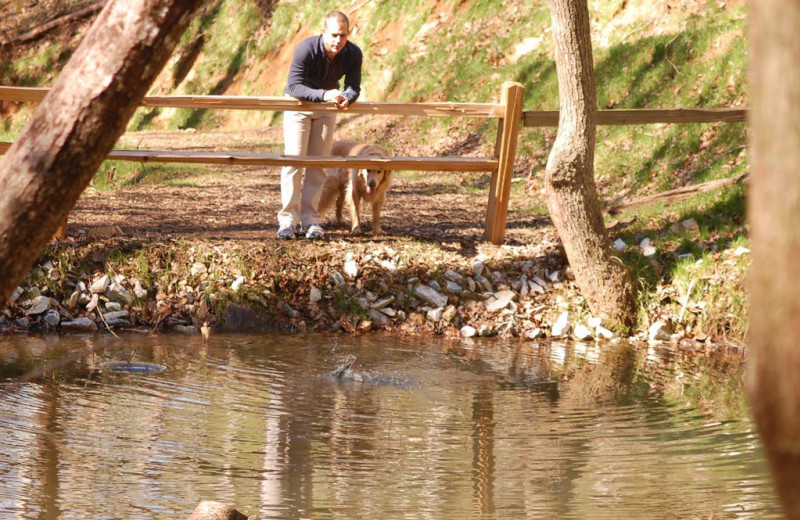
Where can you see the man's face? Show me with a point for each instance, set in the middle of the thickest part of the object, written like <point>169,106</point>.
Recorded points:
<point>334,36</point>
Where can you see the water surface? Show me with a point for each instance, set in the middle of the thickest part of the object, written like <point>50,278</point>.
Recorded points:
<point>436,430</point>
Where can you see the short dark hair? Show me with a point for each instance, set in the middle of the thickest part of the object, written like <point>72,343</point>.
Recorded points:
<point>338,16</point>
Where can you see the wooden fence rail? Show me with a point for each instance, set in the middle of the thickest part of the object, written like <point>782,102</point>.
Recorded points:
<point>508,111</point>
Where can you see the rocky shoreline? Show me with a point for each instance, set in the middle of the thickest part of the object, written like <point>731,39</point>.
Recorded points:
<point>522,292</point>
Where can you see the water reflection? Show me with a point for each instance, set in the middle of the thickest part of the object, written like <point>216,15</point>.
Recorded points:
<point>443,430</point>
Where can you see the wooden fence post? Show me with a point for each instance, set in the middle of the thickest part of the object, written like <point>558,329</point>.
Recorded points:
<point>507,133</point>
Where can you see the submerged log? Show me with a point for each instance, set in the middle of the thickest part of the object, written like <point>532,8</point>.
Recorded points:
<point>209,510</point>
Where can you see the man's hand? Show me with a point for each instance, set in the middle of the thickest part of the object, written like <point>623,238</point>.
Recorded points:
<point>343,102</point>
<point>332,96</point>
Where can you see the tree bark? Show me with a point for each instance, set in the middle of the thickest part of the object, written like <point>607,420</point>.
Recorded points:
<point>774,212</point>
<point>571,192</point>
<point>53,160</point>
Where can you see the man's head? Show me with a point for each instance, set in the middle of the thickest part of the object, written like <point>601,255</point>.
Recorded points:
<point>335,30</point>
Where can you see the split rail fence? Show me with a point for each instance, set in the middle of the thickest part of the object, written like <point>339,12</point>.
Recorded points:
<point>509,113</point>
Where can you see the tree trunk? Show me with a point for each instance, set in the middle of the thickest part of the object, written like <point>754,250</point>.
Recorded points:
<point>774,212</point>
<point>53,160</point>
<point>571,191</point>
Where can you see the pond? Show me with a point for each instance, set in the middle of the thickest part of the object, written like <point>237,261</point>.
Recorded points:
<point>424,428</point>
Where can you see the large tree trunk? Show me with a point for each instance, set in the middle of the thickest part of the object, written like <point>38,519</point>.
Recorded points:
<point>53,160</point>
<point>774,214</point>
<point>571,191</point>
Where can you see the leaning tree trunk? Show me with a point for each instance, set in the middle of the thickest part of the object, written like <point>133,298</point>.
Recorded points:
<point>571,192</point>
<point>774,214</point>
<point>53,160</point>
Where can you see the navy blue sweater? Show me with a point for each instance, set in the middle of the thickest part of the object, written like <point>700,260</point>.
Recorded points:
<point>312,72</point>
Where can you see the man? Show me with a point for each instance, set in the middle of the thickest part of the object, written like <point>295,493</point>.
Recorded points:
<point>318,64</point>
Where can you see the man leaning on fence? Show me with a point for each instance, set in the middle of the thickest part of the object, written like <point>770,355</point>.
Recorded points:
<point>318,64</point>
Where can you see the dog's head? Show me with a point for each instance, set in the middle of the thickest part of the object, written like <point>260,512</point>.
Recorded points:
<point>373,178</point>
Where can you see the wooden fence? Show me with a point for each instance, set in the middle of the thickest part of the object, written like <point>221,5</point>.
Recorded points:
<point>501,164</point>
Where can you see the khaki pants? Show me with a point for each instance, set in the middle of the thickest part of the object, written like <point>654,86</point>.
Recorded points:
<point>304,133</point>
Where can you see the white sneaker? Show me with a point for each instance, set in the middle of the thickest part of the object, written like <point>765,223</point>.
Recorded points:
<point>314,232</point>
<point>286,233</point>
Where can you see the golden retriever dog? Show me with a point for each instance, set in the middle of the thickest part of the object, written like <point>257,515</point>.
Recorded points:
<point>356,185</point>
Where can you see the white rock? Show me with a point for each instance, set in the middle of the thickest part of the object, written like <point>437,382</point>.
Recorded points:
<point>100,285</point>
<point>429,295</point>
<point>659,331</point>
<point>92,305</point>
<point>117,315</point>
<point>602,332</point>
<point>315,295</point>
<point>501,301</point>
<point>535,333</point>
<point>389,312</point>
<point>582,332</point>
<point>535,287</point>
<point>80,287</point>
<point>237,283</point>
<point>741,251</point>
<point>594,322</point>
<point>113,306</point>
<point>383,303</point>
<point>453,276</point>
<point>449,313</point>
<point>554,276</point>
<point>435,315</point>
<point>561,326</point>
<point>74,299</point>
<point>468,331</point>
<point>351,268</point>
<point>648,249</point>
<point>139,291</point>
<point>477,268</point>
<point>620,245</point>
<point>115,292</point>
<point>198,269</point>
<point>453,287</point>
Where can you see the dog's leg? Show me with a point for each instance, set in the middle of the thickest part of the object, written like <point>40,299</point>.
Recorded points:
<point>377,205</point>
<point>342,193</point>
<point>354,201</point>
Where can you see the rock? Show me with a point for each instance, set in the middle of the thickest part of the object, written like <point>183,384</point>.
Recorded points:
<point>34,292</point>
<point>449,313</point>
<point>208,510</point>
<point>79,324</point>
<point>501,301</point>
<point>389,265</point>
<point>484,331</point>
<point>648,249</point>
<point>53,274</point>
<point>582,332</point>
<point>659,331</point>
<point>497,277</point>
<point>74,300</point>
<point>401,315</point>
<point>119,323</point>
<point>620,245</point>
<point>389,312</point>
<point>527,266</point>
<point>139,291</point>
<point>287,310</point>
<point>741,251</point>
<point>430,295</point>
<point>690,225</point>
<point>116,315</point>
<point>185,329</point>
<point>477,268</point>
<point>81,287</point>
<point>338,279</point>
<point>453,276</point>
<point>435,286</point>
<point>377,317</point>
<point>602,332</point>
<point>483,282</point>
<point>453,287</point>
<point>535,287</point>
<point>594,322</point>
<point>471,285</point>
<point>117,293</point>
<point>237,284</point>
<point>198,269</point>
<point>22,323</point>
<point>315,295</point>
<point>554,276</point>
<point>522,285</point>
<point>534,333</point>
<point>113,306</point>
<point>561,326</point>
<point>383,303</point>
<point>92,305</point>
<point>85,298</point>
<point>52,318</point>
<point>435,315</point>
<point>16,294</point>
<point>100,285</point>
<point>351,268</point>
<point>40,305</point>
<point>468,331</point>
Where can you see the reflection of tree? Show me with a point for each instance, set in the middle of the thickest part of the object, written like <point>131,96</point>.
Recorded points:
<point>49,454</point>
<point>483,451</point>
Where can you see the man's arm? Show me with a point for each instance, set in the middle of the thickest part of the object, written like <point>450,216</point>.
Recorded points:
<point>295,86</point>
<point>352,80</point>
